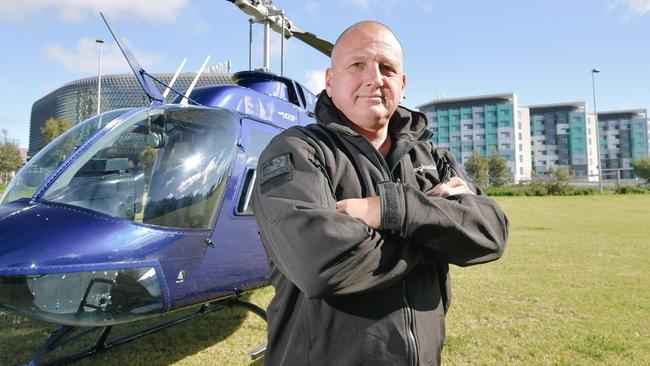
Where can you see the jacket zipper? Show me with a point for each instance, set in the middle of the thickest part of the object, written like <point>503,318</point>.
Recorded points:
<point>413,353</point>
<point>410,325</point>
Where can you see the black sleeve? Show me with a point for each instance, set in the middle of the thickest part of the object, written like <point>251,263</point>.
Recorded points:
<point>462,229</point>
<point>321,251</point>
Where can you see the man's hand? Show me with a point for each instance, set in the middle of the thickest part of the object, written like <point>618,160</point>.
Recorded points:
<point>367,210</point>
<point>453,187</point>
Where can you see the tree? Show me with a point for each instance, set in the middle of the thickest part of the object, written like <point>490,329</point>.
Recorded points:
<point>562,175</point>
<point>477,169</point>
<point>642,168</point>
<point>54,127</point>
<point>10,159</point>
<point>498,170</point>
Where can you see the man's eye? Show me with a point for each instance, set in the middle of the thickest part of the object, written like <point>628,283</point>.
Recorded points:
<point>387,70</point>
<point>356,65</point>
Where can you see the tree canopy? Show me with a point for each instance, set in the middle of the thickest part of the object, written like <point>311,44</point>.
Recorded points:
<point>642,168</point>
<point>54,127</point>
<point>10,159</point>
<point>477,169</point>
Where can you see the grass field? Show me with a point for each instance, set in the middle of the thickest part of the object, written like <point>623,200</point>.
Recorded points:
<point>572,289</point>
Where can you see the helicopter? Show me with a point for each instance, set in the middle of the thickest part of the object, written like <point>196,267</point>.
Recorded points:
<point>139,212</point>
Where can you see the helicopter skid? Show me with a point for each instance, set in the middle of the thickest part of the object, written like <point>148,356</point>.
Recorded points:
<point>65,334</point>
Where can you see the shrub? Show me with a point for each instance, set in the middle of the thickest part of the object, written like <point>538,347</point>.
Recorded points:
<point>630,190</point>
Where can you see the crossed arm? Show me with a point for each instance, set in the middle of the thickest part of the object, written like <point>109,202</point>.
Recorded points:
<point>368,209</point>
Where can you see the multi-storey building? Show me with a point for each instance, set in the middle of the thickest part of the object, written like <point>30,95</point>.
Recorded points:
<point>561,136</point>
<point>485,124</point>
<point>623,140</point>
<point>77,100</point>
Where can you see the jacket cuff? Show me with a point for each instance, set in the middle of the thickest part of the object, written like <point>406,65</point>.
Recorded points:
<point>392,207</point>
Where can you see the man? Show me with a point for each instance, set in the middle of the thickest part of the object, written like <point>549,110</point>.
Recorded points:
<point>360,216</point>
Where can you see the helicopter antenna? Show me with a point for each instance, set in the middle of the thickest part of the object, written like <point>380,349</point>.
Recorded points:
<point>198,75</point>
<point>263,11</point>
<point>149,88</point>
<point>171,83</point>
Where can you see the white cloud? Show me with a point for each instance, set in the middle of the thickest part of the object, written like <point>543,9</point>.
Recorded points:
<point>635,8</point>
<point>315,80</point>
<point>85,58</point>
<point>81,10</point>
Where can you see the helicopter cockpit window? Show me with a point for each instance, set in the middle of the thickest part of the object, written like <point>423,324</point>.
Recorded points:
<point>165,169</point>
<point>34,173</point>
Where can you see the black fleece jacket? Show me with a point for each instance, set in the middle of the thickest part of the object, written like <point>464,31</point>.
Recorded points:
<point>347,294</point>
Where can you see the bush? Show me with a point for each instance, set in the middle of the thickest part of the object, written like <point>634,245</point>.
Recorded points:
<point>537,189</point>
<point>631,190</point>
<point>503,191</point>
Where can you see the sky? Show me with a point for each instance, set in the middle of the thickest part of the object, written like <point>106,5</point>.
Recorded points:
<point>543,51</point>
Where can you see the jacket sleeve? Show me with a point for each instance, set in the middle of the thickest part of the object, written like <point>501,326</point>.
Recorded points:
<point>461,229</point>
<point>321,251</point>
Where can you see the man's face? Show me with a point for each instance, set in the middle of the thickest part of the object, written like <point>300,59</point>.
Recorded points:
<point>366,81</point>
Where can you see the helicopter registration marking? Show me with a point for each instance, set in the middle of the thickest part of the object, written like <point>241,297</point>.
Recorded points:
<point>287,116</point>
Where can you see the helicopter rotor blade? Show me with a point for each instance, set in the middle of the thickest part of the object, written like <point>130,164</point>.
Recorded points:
<point>311,39</point>
<point>265,12</point>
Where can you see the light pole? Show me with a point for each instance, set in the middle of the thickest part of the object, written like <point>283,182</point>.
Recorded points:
<point>600,168</point>
<point>99,77</point>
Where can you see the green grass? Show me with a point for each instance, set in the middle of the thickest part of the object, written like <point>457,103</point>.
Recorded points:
<point>572,289</point>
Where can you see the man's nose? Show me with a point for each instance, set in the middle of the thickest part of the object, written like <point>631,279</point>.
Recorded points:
<point>374,78</point>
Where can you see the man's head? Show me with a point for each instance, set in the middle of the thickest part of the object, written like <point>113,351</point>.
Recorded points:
<point>366,80</point>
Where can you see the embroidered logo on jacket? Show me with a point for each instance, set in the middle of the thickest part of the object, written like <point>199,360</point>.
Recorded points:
<point>276,171</point>
<point>422,168</point>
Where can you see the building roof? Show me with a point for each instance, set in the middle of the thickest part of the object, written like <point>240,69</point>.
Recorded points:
<point>626,111</point>
<point>559,105</point>
<point>503,96</point>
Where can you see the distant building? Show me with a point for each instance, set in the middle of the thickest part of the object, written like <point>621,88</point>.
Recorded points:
<point>77,100</point>
<point>623,140</point>
<point>562,136</point>
<point>483,124</point>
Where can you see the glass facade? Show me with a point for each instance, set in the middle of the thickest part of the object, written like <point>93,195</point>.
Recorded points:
<point>77,100</point>
<point>623,140</point>
<point>481,124</point>
<point>559,138</point>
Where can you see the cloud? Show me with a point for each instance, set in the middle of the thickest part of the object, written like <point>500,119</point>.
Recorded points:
<point>315,80</point>
<point>85,58</point>
<point>82,10</point>
<point>635,8</point>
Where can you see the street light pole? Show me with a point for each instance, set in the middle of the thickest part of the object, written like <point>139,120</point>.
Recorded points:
<point>598,161</point>
<point>99,77</point>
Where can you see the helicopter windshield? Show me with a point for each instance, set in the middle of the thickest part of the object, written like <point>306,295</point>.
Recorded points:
<point>165,167</point>
<point>34,173</point>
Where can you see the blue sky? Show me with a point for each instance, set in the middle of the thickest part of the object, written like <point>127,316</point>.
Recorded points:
<point>541,50</point>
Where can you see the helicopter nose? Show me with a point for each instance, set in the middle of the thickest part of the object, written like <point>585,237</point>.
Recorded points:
<point>90,298</point>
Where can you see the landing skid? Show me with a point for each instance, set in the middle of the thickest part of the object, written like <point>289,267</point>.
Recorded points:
<point>64,334</point>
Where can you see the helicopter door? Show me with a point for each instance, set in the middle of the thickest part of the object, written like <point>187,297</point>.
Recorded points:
<point>238,260</point>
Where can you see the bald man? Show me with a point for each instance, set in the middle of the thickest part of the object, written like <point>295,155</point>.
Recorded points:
<point>361,215</point>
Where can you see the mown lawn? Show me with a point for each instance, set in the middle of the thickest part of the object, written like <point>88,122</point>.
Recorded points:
<point>572,289</point>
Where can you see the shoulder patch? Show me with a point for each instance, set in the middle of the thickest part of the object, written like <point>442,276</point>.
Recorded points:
<point>276,171</point>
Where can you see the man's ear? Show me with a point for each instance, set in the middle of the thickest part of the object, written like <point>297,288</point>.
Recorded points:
<point>328,81</point>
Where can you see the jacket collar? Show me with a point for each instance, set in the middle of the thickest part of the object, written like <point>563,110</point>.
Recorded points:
<point>403,123</point>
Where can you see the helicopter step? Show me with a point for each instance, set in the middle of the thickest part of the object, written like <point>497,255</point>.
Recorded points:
<point>66,334</point>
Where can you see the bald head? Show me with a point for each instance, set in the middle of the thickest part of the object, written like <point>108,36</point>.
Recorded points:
<point>368,25</point>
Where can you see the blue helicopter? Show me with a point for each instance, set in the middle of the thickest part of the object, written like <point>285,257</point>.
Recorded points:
<point>138,212</point>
